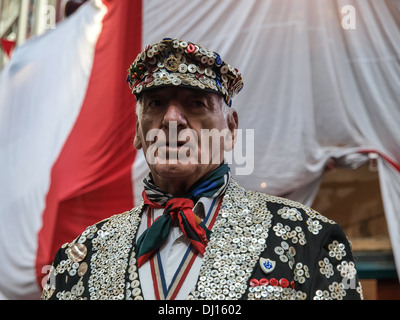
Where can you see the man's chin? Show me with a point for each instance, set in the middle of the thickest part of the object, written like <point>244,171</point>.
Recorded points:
<point>175,169</point>
<point>180,170</point>
<point>178,177</point>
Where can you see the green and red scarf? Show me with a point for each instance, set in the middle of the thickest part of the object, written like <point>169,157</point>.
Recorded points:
<point>180,209</point>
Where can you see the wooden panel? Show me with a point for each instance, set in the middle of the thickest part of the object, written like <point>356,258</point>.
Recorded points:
<point>352,198</point>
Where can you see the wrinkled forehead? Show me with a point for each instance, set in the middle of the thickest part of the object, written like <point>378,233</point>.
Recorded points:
<point>178,93</point>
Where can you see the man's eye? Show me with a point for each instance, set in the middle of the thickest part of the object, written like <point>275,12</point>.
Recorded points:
<point>155,103</point>
<point>198,103</point>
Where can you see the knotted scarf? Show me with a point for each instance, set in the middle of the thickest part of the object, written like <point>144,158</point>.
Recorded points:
<point>180,209</point>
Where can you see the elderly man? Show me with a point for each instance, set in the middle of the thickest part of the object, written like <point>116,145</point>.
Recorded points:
<point>197,234</point>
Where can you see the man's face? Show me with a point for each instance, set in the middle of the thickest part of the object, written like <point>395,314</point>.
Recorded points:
<point>183,132</point>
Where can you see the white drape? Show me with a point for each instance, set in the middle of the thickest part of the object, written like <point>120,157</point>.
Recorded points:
<point>314,90</point>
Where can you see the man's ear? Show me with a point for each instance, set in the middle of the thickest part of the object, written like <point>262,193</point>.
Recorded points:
<point>137,143</point>
<point>233,124</point>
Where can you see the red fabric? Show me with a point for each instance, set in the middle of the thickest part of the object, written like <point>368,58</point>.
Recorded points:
<point>186,206</point>
<point>8,46</point>
<point>91,179</point>
<point>147,201</point>
<point>175,206</point>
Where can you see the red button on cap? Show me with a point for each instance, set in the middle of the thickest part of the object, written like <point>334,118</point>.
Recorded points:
<point>191,48</point>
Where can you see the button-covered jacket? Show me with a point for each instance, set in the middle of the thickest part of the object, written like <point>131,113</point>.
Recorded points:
<point>261,247</point>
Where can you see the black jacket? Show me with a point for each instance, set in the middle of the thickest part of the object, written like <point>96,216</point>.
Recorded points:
<point>262,247</point>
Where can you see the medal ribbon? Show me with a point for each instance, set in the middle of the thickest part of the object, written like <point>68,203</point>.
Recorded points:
<point>161,290</point>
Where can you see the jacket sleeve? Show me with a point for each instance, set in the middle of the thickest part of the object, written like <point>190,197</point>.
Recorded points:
<point>334,275</point>
<point>55,282</point>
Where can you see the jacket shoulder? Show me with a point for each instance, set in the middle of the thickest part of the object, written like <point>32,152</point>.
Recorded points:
<point>283,207</point>
<point>289,209</point>
<point>73,261</point>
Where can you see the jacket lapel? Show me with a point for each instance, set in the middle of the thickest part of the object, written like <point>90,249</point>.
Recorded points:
<point>235,246</point>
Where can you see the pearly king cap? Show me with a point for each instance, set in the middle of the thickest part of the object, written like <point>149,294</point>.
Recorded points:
<point>173,62</point>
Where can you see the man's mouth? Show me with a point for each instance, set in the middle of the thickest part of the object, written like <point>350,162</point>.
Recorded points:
<point>178,144</point>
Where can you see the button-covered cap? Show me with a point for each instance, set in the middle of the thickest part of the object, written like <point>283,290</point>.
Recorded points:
<point>173,62</point>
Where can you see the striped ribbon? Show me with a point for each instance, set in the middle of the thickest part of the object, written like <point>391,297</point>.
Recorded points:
<point>164,291</point>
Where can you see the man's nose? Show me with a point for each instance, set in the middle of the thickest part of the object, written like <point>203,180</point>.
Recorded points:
<point>174,112</point>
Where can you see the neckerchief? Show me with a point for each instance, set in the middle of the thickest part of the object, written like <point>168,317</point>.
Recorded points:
<point>180,209</point>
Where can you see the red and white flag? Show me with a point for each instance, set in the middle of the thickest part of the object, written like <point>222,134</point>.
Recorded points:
<point>66,137</point>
